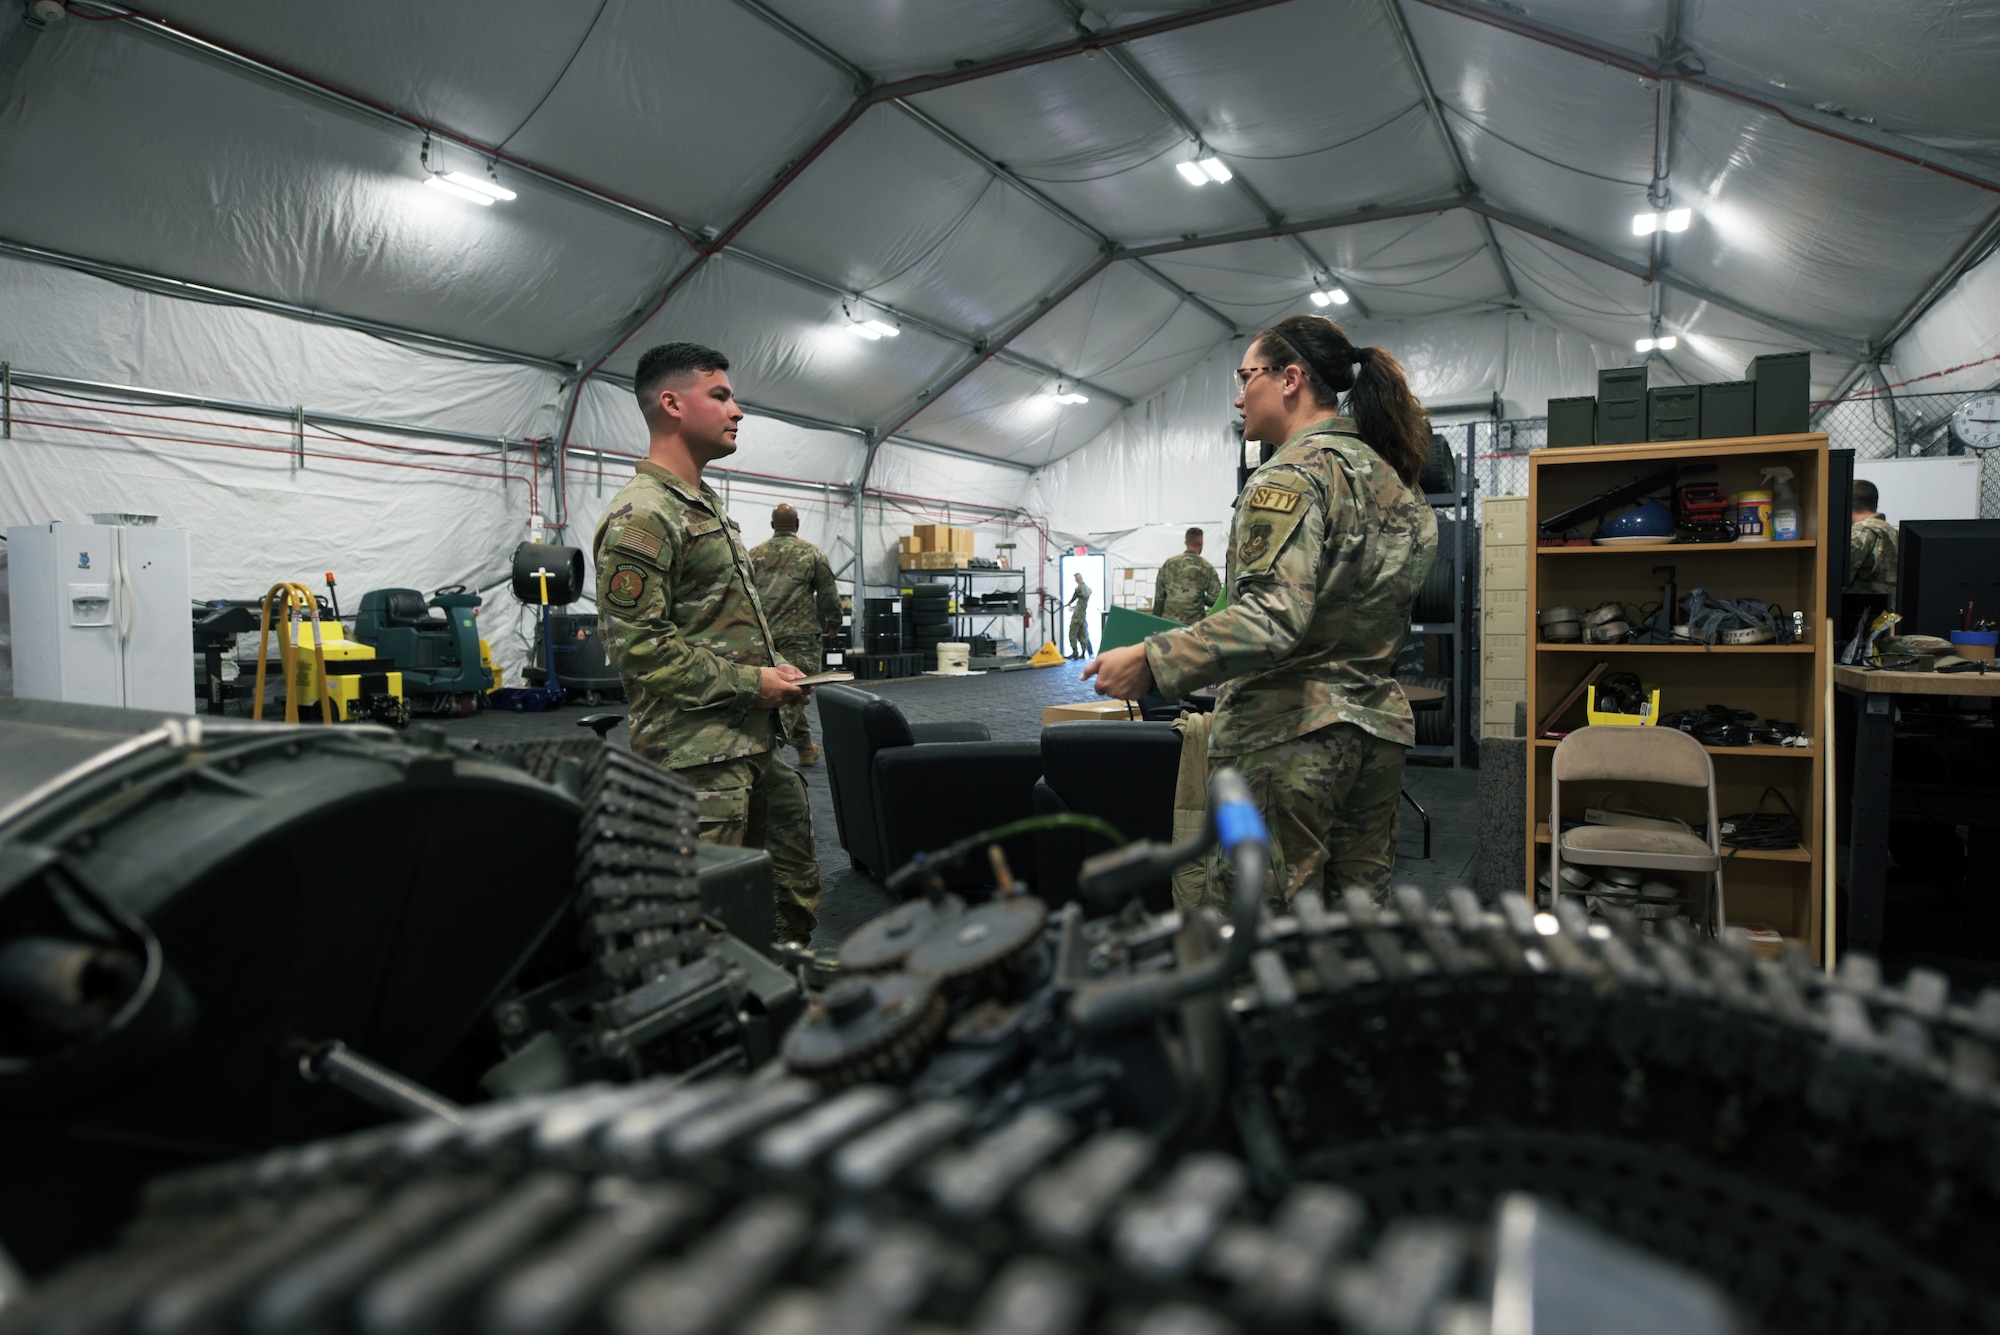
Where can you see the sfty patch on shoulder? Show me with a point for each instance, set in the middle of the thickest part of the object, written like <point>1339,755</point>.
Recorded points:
<point>626,586</point>
<point>1280,499</point>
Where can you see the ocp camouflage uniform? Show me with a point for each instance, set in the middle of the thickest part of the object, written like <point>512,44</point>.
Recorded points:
<point>682,624</point>
<point>1871,556</point>
<point>1326,554</point>
<point>795,584</point>
<point>1079,625</point>
<point>1185,588</point>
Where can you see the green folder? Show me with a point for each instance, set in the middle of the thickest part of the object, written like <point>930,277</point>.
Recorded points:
<point>1123,626</point>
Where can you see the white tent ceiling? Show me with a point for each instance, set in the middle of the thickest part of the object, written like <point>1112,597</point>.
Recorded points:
<point>999,180</point>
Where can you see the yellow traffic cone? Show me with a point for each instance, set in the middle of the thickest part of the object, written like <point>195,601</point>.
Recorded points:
<point>1047,656</point>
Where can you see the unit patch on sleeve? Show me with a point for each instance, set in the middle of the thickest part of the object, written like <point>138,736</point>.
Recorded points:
<point>626,586</point>
<point>1274,498</point>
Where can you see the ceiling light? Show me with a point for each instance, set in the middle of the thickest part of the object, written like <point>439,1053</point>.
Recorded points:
<point>1193,172</point>
<point>1666,343</point>
<point>1214,169</point>
<point>1069,396</point>
<point>450,187</point>
<point>1673,220</point>
<point>491,189</point>
<point>870,328</point>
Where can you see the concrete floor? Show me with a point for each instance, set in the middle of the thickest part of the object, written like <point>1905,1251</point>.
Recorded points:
<point>1010,705</point>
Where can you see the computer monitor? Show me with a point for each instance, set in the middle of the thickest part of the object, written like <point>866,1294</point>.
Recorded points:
<point>1944,565</point>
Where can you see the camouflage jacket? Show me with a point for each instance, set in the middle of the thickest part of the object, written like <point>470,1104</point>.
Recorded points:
<point>1326,554</point>
<point>795,584</point>
<point>681,622</point>
<point>1080,600</point>
<point>1185,589</point>
<point>1871,556</point>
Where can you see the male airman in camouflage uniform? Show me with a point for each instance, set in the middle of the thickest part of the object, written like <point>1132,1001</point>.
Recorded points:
<point>683,625</point>
<point>1327,551</point>
<point>1871,544</point>
<point>1187,584</point>
<point>1079,621</point>
<point>795,584</point>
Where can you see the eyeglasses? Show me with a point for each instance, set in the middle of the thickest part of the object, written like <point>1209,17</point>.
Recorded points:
<point>1243,374</point>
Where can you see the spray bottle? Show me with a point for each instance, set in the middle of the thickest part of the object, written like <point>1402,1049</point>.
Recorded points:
<point>1784,504</point>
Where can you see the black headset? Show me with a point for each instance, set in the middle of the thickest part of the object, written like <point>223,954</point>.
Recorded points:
<point>1621,693</point>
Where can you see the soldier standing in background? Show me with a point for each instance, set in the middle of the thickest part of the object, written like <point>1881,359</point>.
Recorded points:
<point>682,624</point>
<point>1331,541</point>
<point>1187,584</point>
<point>1079,622</point>
<point>800,601</point>
<point>1871,544</point>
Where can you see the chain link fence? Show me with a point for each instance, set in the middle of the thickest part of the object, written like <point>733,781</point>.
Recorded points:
<point>1875,426</point>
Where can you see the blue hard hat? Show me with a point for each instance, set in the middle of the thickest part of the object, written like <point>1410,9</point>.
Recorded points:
<point>1650,520</point>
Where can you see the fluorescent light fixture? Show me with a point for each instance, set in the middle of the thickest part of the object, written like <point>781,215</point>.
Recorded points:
<point>491,189</point>
<point>1643,345</point>
<point>1673,220</point>
<point>1203,170</point>
<point>1064,394</point>
<point>1329,296</point>
<point>1664,343</point>
<point>868,327</point>
<point>484,201</point>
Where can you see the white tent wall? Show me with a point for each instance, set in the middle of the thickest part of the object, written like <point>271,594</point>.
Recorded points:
<point>62,322</point>
<point>256,517</point>
<point>1959,331</point>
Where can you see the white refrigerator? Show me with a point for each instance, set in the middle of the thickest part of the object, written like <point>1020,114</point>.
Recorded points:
<point>102,615</point>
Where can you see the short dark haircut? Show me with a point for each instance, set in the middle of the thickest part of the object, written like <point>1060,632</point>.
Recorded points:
<point>1193,535</point>
<point>659,365</point>
<point>1865,495</point>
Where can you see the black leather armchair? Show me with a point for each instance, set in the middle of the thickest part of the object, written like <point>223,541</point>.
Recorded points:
<point>900,788</point>
<point>1123,772</point>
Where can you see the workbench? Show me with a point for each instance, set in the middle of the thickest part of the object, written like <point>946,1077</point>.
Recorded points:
<point>1875,795</point>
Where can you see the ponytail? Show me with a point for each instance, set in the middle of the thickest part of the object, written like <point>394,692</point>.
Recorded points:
<point>1386,414</point>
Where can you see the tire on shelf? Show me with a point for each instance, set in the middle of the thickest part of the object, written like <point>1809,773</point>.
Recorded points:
<point>1434,596</point>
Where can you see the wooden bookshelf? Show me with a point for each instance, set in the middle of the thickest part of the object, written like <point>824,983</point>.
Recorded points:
<point>1784,888</point>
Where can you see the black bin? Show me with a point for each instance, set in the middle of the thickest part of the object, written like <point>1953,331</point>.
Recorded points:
<point>1573,421</point>
<point>1673,412</point>
<point>1729,409</point>
<point>1621,406</point>
<point>1784,392</point>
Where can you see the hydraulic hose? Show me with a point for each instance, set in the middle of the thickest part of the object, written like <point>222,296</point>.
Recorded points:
<point>1238,827</point>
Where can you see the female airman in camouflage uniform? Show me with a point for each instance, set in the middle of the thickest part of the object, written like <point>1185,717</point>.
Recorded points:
<point>1330,543</point>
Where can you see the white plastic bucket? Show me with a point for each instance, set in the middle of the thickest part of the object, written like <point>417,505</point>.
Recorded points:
<point>953,658</point>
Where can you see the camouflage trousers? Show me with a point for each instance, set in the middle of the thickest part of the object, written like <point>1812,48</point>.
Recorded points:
<point>760,802</point>
<point>1079,634</point>
<point>808,657</point>
<point>1329,799</point>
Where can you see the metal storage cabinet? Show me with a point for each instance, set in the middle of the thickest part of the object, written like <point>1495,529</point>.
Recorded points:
<point>1503,612</point>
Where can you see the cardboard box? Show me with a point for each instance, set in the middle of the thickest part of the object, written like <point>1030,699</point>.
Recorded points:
<point>961,542</point>
<point>1094,711</point>
<point>904,546</point>
<point>932,537</point>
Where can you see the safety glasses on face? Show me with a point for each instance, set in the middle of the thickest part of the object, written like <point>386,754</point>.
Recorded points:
<point>1243,374</point>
